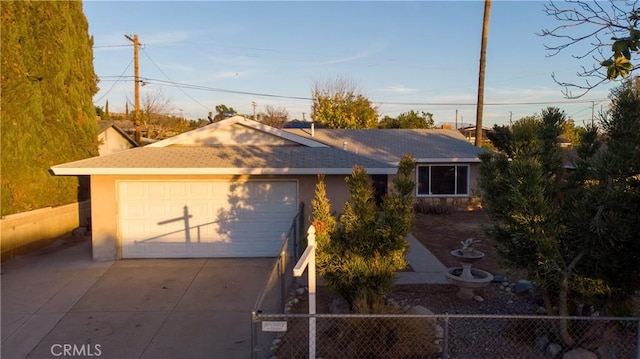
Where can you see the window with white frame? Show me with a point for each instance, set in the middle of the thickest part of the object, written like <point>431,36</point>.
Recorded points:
<point>443,180</point>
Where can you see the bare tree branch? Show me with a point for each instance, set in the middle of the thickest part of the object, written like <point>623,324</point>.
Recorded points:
<point>274,116</point>
<point>606,26</point>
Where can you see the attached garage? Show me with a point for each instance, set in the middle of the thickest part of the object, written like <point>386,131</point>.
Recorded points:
<point>228,189</point>
<point>187,219</point>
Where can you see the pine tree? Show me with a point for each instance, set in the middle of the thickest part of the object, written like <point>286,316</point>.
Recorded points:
<point>359,258</point>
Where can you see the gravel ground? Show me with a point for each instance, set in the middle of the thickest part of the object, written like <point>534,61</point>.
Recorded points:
<point>467,338</point>
<point>478,337</point>
<point>442,299</point>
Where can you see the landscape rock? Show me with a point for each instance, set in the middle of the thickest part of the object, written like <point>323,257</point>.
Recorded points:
<point>419,310</point>
<point>301,290</point>
<point>522,286</point>
<point>541,342</point>
<point>498,278</point>
<point>580,353</point>
<point>439,332</point>
<point>541,311</point>
<point>553,350</point>
<point>478,298</point>
<point>339,305</point>
<point>607,351</point>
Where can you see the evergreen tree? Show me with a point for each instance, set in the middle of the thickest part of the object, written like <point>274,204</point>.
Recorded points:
<point>106,111</point>
<point>359,258</point>
<point>47,112</point>
<point>574,232</point>
<point>606,212</point>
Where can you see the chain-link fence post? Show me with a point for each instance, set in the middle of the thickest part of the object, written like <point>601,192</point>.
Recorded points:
<point>445,337</point>
<point>254,335</point>
<point>638,341</point>
<point>282,268</point>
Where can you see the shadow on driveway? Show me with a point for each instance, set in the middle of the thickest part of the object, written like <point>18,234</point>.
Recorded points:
<point>142,308</point>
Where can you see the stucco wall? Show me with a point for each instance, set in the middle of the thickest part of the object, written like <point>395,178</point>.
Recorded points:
<point>26,231</point>
<point>233,135</point>
<point>111,141</point>
<point>106,243</point>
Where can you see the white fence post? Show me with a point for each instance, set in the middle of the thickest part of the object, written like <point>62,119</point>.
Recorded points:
<point>308,260</point>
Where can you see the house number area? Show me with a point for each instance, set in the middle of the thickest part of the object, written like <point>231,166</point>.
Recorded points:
<point>268,326</point>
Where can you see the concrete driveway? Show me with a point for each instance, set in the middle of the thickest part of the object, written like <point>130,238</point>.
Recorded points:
<point>58,303</point>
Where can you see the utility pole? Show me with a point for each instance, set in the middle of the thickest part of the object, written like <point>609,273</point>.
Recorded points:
<point>456,119</point>
<point>136,71</point>
<point>510,119</point>
<point>593,105</point>
<point>483,62</point>
<point>253,104</point>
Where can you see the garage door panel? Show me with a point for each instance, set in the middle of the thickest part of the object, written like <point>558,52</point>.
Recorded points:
<point>241,219</point>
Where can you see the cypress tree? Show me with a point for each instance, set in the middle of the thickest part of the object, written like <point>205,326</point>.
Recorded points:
<point>47,112</point>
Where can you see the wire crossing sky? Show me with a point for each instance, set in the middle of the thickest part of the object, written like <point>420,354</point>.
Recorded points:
<point>403,56</point>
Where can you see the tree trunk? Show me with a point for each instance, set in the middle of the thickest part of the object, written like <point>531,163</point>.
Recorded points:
<point>548,303</point>
<point>563,307</point>
<point>483,62</point>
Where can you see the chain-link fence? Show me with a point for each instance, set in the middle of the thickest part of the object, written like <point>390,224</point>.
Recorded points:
<point>444,336</point>
<point>280,280</point>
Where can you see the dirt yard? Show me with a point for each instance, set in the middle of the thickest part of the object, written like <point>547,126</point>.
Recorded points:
<point>442,233</point>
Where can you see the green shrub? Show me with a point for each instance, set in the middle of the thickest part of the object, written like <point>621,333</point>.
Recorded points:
<point>359,257</point>
<point>390,337</point>
<point>425,207</point>
<point>47,112</point>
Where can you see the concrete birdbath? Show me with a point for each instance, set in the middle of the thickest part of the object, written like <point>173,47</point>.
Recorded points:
<point>466,277</point>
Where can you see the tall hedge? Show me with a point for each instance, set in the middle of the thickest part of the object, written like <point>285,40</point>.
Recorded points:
<point>47,111</point>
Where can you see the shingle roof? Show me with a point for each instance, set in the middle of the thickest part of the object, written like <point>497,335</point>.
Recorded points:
<point>225,160</point>
<point>104,125</point>
<point>389,145</point>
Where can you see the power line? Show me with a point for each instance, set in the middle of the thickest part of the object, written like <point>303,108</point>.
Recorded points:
<point>115,83</point>
<point>213,89</point>
<point>180,85</point>
<point>165,75</point>
<point>488,103</point>
<point>108,46</point>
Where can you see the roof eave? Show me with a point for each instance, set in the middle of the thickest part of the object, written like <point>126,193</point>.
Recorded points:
<point>448,160</point>
<point>70,171</point>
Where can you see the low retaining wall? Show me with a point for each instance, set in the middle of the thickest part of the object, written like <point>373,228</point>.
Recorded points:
<point>26,231</point>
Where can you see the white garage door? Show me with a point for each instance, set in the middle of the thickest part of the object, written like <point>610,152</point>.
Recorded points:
<point>185,219</point>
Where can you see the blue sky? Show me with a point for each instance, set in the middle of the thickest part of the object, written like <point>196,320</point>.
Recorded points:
<point>403,56</point>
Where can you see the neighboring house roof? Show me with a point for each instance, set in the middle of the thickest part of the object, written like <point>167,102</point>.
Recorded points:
<point>203,151</point>
<point>389,145</point>
<point>209,135</point>
<point>105,125</point>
